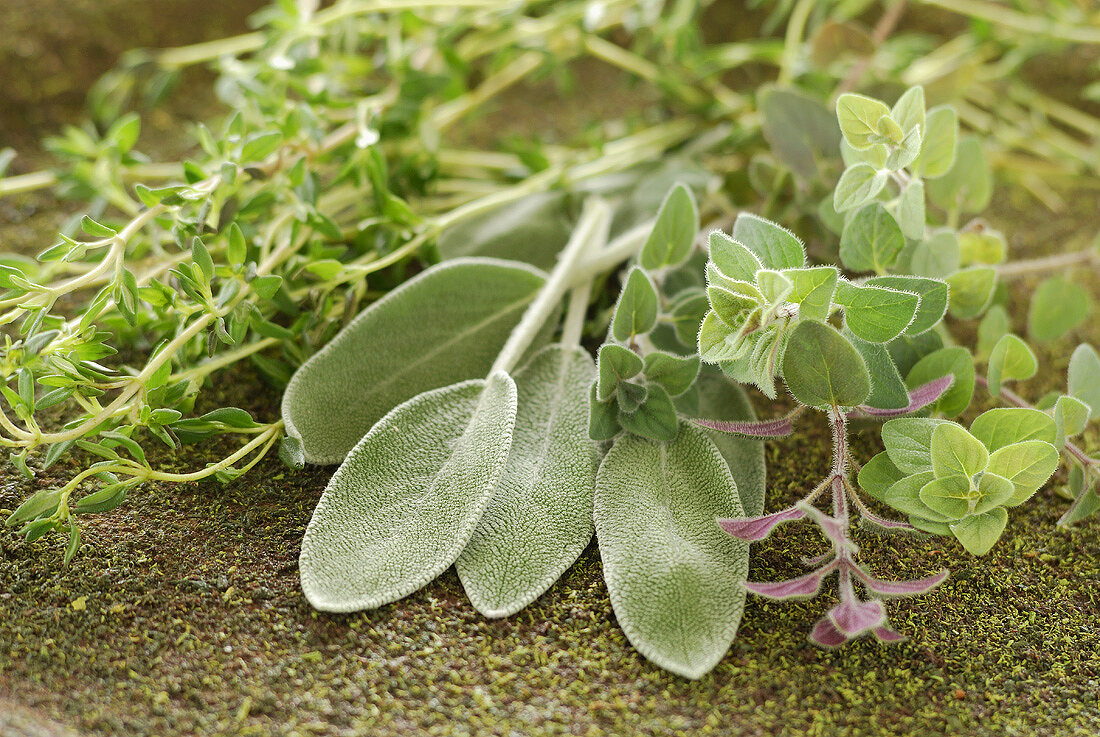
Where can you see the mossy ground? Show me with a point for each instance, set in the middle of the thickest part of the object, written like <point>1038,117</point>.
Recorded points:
<point>182,615</point>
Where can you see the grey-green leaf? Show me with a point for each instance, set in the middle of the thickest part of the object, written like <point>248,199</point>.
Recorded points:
<point>533,229</point>
<point>938,147</point>
<point>675,578</point>
<point>979,532</point>
<point>636,311</point>
<point>406,500</point>
<point>858,116</point>
<point>1057,307</point>
<point>859,184</point>
<point>733,259</point>
<point>872,240</point>
<point>822,368</point>
<point>539,518</point>
<point>425,334</point>
<point>1084,377</point>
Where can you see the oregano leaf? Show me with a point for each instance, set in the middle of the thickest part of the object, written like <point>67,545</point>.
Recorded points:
<point>822,368</point>
<point>670,241</point>
<point>636,310</point>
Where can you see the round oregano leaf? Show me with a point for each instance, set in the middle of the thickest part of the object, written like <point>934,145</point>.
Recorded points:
<point>822,368</point>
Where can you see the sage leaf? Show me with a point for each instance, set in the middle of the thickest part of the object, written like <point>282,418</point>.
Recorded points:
<point>822,368</point>
<point>539,518</point>
<point>872,240</point>
<point>425,334</point>
<point>406,500</point>
<point>532,229</point>
<point>676,580</point>
<point>774,245</point>
<point>669,243</point>
<point>1084,377</point>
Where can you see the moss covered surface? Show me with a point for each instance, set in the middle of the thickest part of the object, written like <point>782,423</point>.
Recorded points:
<point>182,615</point>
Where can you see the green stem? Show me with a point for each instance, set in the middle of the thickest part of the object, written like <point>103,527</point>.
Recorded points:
<point>590,233</point>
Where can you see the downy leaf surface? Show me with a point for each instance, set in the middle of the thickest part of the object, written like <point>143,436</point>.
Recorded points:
<point>406,500</point>
<point>425,334</point>
<point>539,518</point>
<point>676,580</point>
<point>823,368</point>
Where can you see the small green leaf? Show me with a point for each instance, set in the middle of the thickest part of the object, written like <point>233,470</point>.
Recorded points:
<point>994,326</point>
<point>1027,465</point>
<point>858,185</point>
<point>636,310</point>
<point>654,417</point>
<point>1003,426</point>
<point>716,343</point>
<point>955,361</point>
<point>911,213</point>
<point>733,259</point>
<point>800,130</point>
<point>675,578</point>
<point>937,256</point>
<point>1084,377</point>
<point>774,245</point>
<point>616,364</point>
<point>876,314</point>
<point>955,452</point>
<point>821,368</point>
<point>630,395</point>
<point>888,390</point>
<point>980,532</point>
<point>1011,360</point>
<point>96,229</point>
<point>325,269</point>
<point>872,240</point>
<point>812,289</point>
<point>948,496</point>
<point>993,491</point>
<point>908,111</point>
<point>259,146</point>
<point>938,148</point>
<point>904,496</point>
<point>732,307</point>
<point>200,255</point>
<point>858,117</point>
<point>408,497</point>
<point>879,474</point>
<point>971,291</point>
<point>1057,307</point>
<point>266,287</point>
<point>933,295</point>
<point>675,373</point>
<point>986,246</point>
<point>1070,417</point>
<point>669,244</point>
<point>906,152</point>
<point>124,132</point>
<point>237,251</point>
<point>968,185</point>
<point>603,417</point>
<point>908,442</point>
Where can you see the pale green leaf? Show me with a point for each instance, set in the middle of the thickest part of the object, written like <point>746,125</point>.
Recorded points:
<point>732,258</point>
<point>876,314</point>
<point>858,117</point>
<point>904,496</point>
<point>948,496</point>
<point>822,368</point>
<point>955,452</point>
<point>940,139</point>
<point>933,295</point>
<point>670,241</point>
<point>774,245</point>
<point>994,325</point>
<point>907,150</point>
<point>908,442</point>
<point>1011,360</point>
<point>799,129</point>
<point>636,310</point>
<point>539,518</point>
<point>1071,415</point>
<point>716,343</point>
<point>955,361</point>
<point>937,256</point>
<point>971,291</point>
<point>1027,465</point>
<point>968,185</point>
<point>871,241</point>
<point>812,289</point>
<point>425,334</point>
<point>405,502</point>
<point>911,214</point>
<point>858,185</point>
<point>879,474</point>
<point>978,533</point>
<point>1084,377</point>
<point>908,111</point>
<point>676,580</point>
<point>1057,307</point>
<point>1003,426</point>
